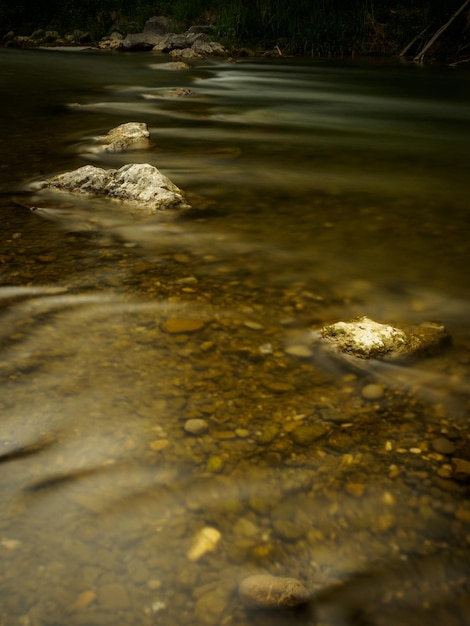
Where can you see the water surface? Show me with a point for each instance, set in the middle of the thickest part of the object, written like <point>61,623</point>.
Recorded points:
<point>321,191</point>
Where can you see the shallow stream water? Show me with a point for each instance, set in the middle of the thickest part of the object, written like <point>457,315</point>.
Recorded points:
<point>321,191</point>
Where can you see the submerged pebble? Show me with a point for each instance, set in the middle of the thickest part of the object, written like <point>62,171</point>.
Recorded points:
<point>372,392</point>
<point>264,591</point>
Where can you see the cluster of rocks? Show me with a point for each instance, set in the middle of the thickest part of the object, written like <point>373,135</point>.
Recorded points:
<point>158,36</point>
<point>47,38</point>
<point>141,185</point>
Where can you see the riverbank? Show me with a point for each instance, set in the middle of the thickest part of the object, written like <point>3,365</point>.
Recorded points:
<point>431,34</point>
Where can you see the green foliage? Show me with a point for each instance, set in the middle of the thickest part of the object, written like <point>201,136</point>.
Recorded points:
<point>308,27</point>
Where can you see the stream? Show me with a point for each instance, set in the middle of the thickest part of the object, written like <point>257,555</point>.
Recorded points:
<point>157,373</point>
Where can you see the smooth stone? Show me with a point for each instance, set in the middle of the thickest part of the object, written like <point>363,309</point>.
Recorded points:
<point>443,446</point>
<point>215,464</point>
<point>205,541</point>
<point>299,350</point>
<point>372,392</point>
<point>279,387</point>
<point>264,591</point>
<point>113,596</point>
<point>305,434</point>
<point>196,426</point>
<point>182,325</point>
<point>128,136</point>
<point>288,530</point>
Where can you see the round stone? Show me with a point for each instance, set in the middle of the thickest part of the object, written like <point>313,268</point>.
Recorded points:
<point>443,446</point>
<point>305,434</point>
<point>372,392</point>
<point>196,426</point>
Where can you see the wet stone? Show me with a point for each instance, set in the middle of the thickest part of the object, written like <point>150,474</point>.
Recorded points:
<point>279,387</point>
<point>264,591</point>
<point>306,434</point>
<point>443,446</point>
<point>288,531</point>
<point>372,392</point>
<point>196,426</point>
<point>113,596</point>
<point>177,325</point>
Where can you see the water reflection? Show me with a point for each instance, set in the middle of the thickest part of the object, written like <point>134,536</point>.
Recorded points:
<point>116,332</point>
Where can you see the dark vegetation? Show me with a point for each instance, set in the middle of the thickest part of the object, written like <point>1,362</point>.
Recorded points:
<point>307,27</point>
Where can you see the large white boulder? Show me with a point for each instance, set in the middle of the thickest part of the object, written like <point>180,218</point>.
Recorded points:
<point>142,185</point>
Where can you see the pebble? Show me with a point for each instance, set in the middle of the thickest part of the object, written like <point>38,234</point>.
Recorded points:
<point>182,325</point>
<point>355,489</point>
<point>279,387</point>
<point>159,444</point>
<point>85,599</point>
<point>196,426</point>
<point>205,541</point>
<point>215,464</point>
<point>253,325</point>
<point>443,446</point>
<point>372,392</point>
<point>113,596</point>
<point>299,350</point>
<point>272,592</point>
<point>305,434</point>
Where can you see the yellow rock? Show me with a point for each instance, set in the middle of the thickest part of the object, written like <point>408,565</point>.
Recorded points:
<point>182,325</point>
<point>159,444</point>
<point>205,541</point>
<point>85,599</point>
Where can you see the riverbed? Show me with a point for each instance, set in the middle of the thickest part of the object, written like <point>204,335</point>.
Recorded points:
<point>158,373</point>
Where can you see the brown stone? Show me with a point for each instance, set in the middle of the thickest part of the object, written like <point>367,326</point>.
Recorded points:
<point>264,591</point>
<point>182,325</point>
<point>113,596</point>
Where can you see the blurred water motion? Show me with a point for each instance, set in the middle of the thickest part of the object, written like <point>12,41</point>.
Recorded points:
<point>149,386</point>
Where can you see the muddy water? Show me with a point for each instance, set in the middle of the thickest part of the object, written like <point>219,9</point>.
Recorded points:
<point>321,191</point>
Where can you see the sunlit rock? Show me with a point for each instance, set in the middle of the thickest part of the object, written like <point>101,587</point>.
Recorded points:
<point>142,185</point>
<point>205,541</point>
<point>264,591</point>
<point>113,42</point>
<point>128,136</point>
<point>366,339</point>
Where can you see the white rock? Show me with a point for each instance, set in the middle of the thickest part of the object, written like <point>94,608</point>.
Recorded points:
<point>205,541</point>
<point>367,339</point>
<point>142,185</point>
<point>129,136</point>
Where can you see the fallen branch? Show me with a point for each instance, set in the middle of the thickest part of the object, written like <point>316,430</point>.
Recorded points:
<point>436,35</point>
<point>412,42</point>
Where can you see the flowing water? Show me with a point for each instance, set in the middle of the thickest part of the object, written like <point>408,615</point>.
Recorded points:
<point>321,191</point>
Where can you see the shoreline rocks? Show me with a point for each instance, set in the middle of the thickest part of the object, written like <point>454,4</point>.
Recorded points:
<point>157,35</point>
<point>142,185</point>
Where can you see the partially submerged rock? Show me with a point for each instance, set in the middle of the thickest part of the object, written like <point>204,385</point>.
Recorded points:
<point>366,339</point>
<point>128,136</point>
<point>264,591</point>
<point>142,185</point>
